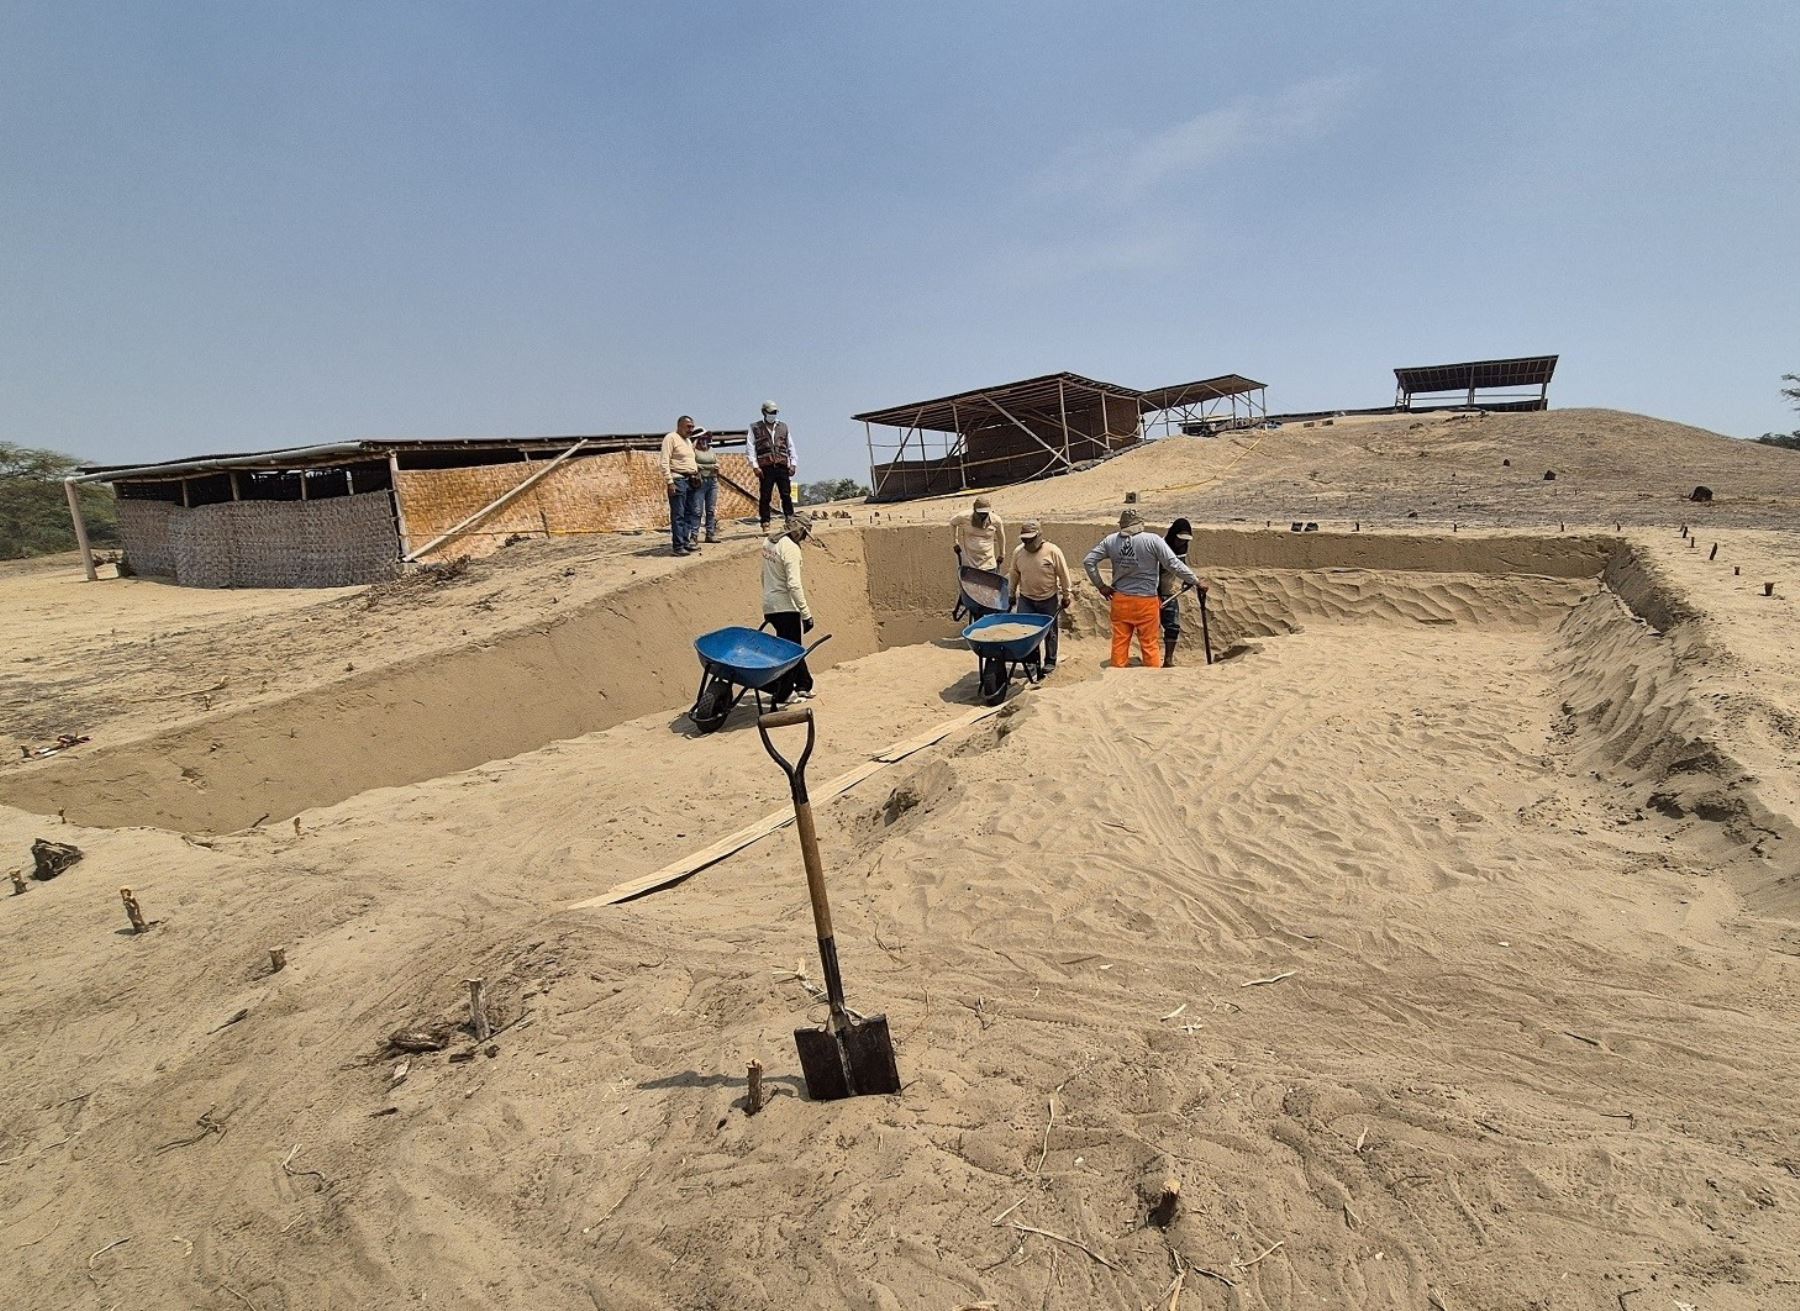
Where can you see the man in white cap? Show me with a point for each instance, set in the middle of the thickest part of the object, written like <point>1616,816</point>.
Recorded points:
<point>772,448</point>
<point>1040,583</point>
<point>978,537</point>
<point>1138,558</point>
<point>784,602</point>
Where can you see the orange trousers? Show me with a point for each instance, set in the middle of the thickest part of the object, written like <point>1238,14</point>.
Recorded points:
<point>1141,615</point>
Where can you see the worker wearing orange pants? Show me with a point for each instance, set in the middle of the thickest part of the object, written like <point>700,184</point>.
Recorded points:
<point>1138,559</point>
<point>1141,615</point>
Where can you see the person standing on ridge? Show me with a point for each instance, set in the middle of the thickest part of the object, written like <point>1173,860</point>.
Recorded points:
<point>784,603</point>
<point>681,471</point>
<point>772,447</point>
<point>1138,558</point>
<point>1040,583</point>
<point>978,537</point>
<point>707,460</point>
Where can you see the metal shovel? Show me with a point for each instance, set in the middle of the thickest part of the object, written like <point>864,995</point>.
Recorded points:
<point>852,1056</point>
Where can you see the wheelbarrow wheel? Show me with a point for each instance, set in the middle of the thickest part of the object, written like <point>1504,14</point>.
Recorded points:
<point>995,679</point>
<point>712,707</point>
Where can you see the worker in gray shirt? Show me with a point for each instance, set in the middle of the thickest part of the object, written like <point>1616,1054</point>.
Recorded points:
<point>1138,559</point>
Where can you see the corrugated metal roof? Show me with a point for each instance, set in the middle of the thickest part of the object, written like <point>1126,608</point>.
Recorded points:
<point>1524,371</point>
<point>1045,395</point>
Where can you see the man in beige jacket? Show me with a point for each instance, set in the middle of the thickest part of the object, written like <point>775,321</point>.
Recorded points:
<point>784,602</point>
<point>978,537</point>
<point>1040,583</point>
<point>681,471</point>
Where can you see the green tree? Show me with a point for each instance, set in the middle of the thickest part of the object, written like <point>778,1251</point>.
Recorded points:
<point>34,511</point>
<point>832,489</point>
<point>1789,441</point>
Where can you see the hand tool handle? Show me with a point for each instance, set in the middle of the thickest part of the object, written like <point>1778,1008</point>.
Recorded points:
<point>809,849</point>
<point>1205,630</point>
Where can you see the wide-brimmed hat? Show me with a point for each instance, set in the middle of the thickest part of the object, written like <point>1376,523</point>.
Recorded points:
<point>795,524</point>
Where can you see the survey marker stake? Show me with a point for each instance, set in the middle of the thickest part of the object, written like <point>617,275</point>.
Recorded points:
<point>849,1057</point>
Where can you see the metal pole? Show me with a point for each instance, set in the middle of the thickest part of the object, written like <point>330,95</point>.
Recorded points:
<point>1062,407</point>
<point>869,445</point>
<point>81,537</point>
<point>184,495</point>
<point>962,458</point>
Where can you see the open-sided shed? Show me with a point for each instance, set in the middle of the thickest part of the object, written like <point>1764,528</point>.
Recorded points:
<point>354,512</point>
<point>1016,431</point>
<point>1523,383</point>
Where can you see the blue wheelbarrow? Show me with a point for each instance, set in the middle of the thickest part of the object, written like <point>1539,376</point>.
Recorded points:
<point>1001,658</point>
<point>734,661</point>
<point>981,593</point>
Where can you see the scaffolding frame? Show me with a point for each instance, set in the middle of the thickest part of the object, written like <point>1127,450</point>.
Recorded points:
<point>937,448</point>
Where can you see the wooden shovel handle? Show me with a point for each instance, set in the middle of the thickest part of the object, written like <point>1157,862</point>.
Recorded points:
<point>787,718</point>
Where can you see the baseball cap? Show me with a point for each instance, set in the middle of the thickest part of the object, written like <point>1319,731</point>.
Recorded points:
<point>1031,528</point>
<point>1131,519</point>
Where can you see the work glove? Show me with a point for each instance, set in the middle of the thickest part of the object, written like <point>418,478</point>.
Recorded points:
<point>806,626</point>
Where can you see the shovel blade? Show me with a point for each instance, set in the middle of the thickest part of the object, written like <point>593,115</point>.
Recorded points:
<point>856,1061</point>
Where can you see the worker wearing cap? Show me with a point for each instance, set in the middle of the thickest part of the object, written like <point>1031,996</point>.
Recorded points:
<point>772,447</point>
<point>1170,588</point>
<point>1040,583</point>
<point>784,602</point>
<point>978,537</point>
<point>681,471</point>
<point>706,459</point>
<point>1138,558</point>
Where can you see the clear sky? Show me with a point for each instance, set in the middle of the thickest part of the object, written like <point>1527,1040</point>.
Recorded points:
<point>232,225</point>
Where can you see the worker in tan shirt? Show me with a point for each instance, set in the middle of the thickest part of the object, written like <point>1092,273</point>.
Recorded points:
<point>1040,584</point>
<point>978,537</point>
<point>785,607</point>
<point>681,471</point>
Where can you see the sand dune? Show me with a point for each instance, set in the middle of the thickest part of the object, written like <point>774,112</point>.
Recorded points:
<point>1441,940</point>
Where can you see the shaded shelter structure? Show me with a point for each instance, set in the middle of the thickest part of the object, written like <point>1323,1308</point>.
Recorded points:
<point>1522,383</point>
<point>352,512</point>
<point>1033,428</point>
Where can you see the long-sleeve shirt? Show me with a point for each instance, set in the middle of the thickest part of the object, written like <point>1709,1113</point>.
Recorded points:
<point>783,590</point>
<point>677,457</point>
<point>1138,560</point>
<point>983,547</point>
<point>1041,574</point>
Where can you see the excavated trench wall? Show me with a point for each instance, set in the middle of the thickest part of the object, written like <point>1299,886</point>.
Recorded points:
<point>630,654</point>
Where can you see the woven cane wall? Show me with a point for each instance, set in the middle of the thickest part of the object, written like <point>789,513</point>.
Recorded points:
<point>336,542</point>
<point>144,529</point>
<point>611,493</point>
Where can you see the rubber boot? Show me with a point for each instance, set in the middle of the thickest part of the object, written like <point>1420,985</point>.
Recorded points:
<point>1168,653</point>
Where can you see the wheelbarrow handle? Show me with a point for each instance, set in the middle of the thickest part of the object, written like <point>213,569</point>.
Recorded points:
<point>816,645</point>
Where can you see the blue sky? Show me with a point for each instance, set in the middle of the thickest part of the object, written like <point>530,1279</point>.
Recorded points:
<point>233,225</point>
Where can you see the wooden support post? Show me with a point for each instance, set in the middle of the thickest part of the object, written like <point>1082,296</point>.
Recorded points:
<point>399,509</point>
<point>1714,553</point>
<point>478,1017</point>
<point>1768,589</point>
<point>81,537</point>
<point>236,495</point>
<point>133,911</point>
<point>186,500</point>
<point>504,499</point>
<point>277,959</point>
<point>753,1099</point>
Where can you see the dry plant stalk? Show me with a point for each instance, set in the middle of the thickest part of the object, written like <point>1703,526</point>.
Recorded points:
<point>133,911</point>
<point>753,1098</point>
<point>478,1018</point>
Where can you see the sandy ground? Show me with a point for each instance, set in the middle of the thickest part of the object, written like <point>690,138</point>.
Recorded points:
<point>1446,953</point>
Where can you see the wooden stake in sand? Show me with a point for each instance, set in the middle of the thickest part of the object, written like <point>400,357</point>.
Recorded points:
<point>753,1099</point>
<point>1768,589</point>
<point>277,959</point>
<point>1714,553</point>
<point>18,880</point>
<point>133,911</point>
<point>478,1019</point>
